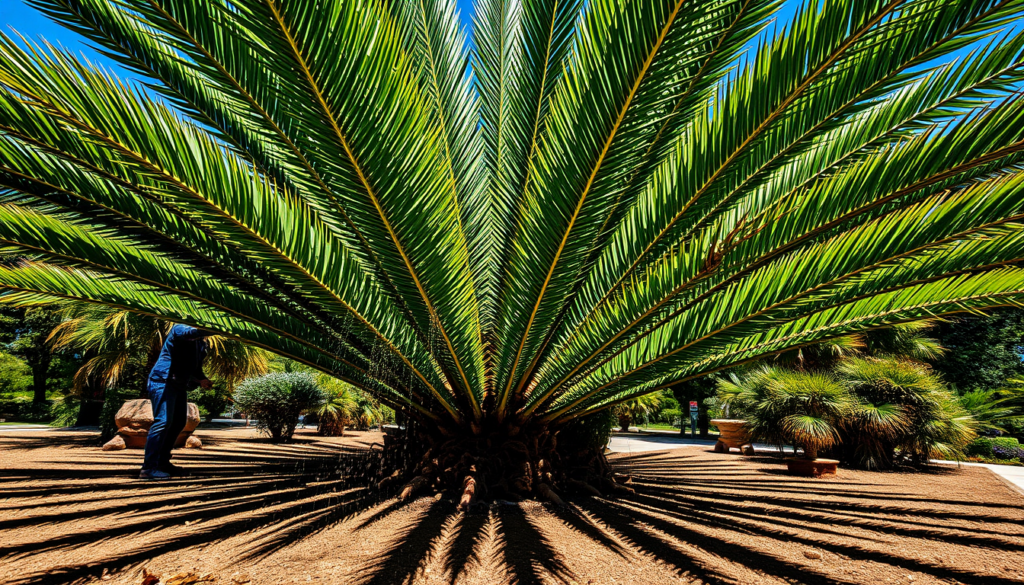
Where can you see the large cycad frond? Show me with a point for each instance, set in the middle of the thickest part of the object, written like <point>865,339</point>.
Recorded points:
<point>599,199</point>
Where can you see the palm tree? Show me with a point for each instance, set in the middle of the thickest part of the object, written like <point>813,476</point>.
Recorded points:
<point>345,406</point>
<point>627,412</point>
<point>996,410</point>
<point>787,407</point>
<point>122,347</point>
<point>619,195</point>
<point>904,410</point>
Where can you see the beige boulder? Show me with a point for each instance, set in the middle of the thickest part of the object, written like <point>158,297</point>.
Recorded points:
<point>135,417</point>
<point>193,442</point>
<point>115,444</point>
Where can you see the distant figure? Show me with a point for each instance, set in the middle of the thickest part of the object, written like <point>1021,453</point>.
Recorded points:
<point>178,370</point>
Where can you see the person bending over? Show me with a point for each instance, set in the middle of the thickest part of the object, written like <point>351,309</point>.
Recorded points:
<point>178,370</point>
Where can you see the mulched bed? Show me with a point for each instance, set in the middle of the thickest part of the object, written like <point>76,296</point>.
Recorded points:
<point>70,513</point>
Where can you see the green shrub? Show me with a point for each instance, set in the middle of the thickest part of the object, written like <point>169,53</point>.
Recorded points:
<point>276,400</point>
<point>64,411</point>
<point>25,411</point>
<point>906,414</point>
<point>15,375</point>
<point>211,401</point>
<point>982,446</point>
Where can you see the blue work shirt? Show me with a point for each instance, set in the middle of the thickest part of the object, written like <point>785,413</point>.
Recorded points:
<point>180,364</point>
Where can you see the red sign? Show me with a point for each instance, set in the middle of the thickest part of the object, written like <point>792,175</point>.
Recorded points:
<point>693,406</point>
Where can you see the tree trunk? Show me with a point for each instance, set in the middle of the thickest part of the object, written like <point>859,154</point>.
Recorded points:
<point>683,398</point>
<point>40,374</point>
<point>509,464</point>
<point>703,420</point>
<point>810,452</point>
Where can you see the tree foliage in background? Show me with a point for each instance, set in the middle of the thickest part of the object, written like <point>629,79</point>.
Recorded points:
<point>15,375</point>
<point>23,334</point>
<point>624,194</point>
<point>983,352</point>
<point>632,411</point>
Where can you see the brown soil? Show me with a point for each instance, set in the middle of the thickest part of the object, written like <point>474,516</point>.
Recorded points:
<point>70,513</point>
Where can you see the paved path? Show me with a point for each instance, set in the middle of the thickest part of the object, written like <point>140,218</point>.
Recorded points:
<point>639,443</point>
<point>630,444</point>
<point>25,427</point>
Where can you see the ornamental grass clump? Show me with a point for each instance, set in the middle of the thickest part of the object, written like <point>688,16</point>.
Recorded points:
<point>592,201</point>
<point>277,400</point>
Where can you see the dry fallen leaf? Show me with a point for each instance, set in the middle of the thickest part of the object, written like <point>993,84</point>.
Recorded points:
<point>150,578</point>
<point>190,578</point>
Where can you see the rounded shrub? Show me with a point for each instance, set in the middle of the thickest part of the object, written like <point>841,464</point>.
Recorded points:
<point>277,400</point>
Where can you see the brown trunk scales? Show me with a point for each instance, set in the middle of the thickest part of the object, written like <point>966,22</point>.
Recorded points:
<point>525,463</point>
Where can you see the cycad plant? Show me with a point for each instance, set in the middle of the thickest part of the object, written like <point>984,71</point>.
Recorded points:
<point>597,200</point>
<point>785,407</point>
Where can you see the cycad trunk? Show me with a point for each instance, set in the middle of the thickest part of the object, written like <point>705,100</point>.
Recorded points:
<point>810,451</point>
<point>509,463</point>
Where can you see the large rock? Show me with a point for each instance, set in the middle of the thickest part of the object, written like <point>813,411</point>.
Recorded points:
<point>136,416</point>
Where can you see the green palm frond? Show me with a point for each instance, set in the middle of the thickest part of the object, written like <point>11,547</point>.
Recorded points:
<point>597,200</point>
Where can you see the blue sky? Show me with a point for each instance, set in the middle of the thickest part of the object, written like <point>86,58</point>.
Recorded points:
<point>15,14</point>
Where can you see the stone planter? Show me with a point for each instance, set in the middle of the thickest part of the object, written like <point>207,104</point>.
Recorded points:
<point>811,467</point>
<point>136,416</point>
<point>734,434</point>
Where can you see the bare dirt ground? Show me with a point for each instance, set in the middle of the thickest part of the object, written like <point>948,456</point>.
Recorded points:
<point>70,513</point>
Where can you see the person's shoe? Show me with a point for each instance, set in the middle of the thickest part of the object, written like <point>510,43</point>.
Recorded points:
<point>154,475</point>
<point>175,471</point>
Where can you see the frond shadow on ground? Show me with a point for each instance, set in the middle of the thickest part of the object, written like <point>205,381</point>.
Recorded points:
<point>700,515</point>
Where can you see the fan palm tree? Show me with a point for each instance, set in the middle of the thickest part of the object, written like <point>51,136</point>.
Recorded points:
<point>786,407</point>
<point>627,412</point>
<point>903,409</point>
<point>345,406</point>
<point>612,197</point>
<point>123,346</point>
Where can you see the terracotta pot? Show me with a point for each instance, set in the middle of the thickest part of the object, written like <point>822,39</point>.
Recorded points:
<point>811,467</point>
<point>135,417</point>
<point>733,434</point>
